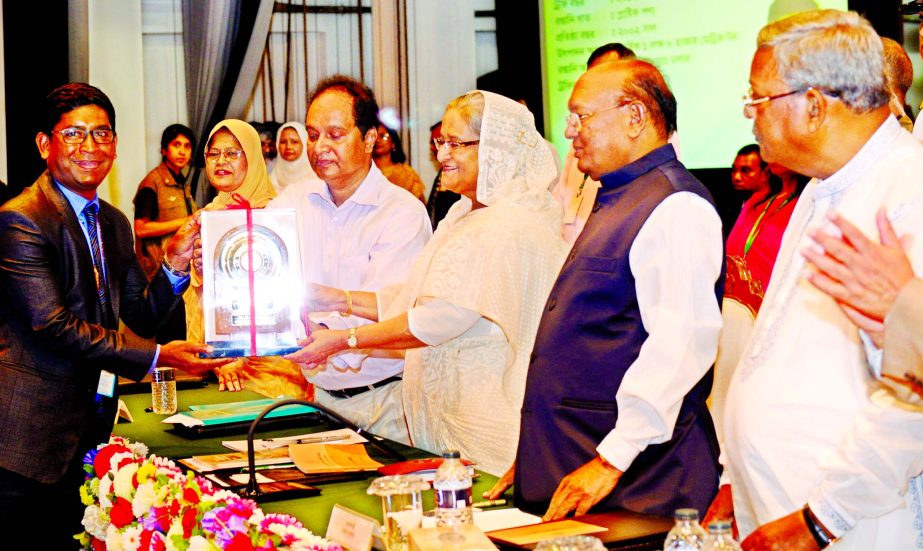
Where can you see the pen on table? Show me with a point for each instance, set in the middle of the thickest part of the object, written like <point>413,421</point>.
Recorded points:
<point>489,503</point>
<point>268,467</point>
<point>310,440</point>
<point>320,439</point>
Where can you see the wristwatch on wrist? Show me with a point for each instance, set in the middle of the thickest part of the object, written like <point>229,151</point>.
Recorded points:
<point>351,339</point>
<point>820,534</point>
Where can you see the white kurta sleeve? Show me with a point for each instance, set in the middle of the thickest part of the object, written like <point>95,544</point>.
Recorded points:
<point>676,260</point>
<point>868,475</point>
<point>437,321</point>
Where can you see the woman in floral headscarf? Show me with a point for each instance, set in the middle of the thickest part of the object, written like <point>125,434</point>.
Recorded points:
<point>470,310</point>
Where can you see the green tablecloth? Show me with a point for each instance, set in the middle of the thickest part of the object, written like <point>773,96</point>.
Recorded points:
<point>315,511</point>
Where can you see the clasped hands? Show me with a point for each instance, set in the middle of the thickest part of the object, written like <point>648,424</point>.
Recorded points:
<point>864,277</point>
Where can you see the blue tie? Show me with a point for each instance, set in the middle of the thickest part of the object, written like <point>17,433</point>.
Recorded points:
<point>89,212</point>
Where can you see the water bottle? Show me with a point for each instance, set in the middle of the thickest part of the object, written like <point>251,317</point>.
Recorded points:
<point>686,534</point>
<point>163,391</point>
<point>452,486</point>
<point>720,537</point>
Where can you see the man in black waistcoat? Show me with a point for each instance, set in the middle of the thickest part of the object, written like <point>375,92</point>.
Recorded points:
<point>614,415</point>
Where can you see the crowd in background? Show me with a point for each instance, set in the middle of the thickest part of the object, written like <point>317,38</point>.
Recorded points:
<point>589,333</point>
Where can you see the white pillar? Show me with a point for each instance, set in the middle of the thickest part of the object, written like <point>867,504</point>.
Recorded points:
<point>116,66</point>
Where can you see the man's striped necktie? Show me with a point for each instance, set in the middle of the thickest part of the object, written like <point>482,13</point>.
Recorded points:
<point>89,212</point>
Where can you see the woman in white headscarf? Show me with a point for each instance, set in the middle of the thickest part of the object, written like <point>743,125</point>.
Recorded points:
<point>291,166</point>
<point>470,310</point>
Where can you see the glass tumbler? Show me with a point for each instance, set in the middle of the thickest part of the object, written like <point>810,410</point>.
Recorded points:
<point>401,507</point>
<point>572,543</point>
<point>163,391</point>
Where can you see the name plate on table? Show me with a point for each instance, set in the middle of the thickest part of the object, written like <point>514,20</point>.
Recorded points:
<point>351,529</point>
<point>251,282</point>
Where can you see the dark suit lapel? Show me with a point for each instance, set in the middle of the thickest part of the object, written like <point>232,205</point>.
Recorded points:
<point>68,217</point>
<point>78,239</point>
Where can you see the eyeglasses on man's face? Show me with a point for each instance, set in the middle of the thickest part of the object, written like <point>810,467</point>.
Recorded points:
<point>751,101</point>
<point>230,154</point>
<point>577,120</point>
<point>453,145</point>
<point>76,136</point>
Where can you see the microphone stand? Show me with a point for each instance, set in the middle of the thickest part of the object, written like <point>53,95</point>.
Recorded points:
<point>253,489</point>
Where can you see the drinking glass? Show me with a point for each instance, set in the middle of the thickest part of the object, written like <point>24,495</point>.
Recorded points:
<point>401,507</point>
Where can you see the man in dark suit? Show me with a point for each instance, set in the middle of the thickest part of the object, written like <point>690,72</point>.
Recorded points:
<point>68,273</point>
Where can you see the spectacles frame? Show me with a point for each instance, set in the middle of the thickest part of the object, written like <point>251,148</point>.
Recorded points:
<point>74,135</point>
<point>453,145</point>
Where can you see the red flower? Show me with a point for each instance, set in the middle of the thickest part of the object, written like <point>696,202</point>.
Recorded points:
<point>101,461</point>
<point>189,522</point>
<point>191,496</point>
<point>161,518</point>
<point>98,545</point>
<point>145,542</point>
<point>121,514</point>
<point>240,542</point>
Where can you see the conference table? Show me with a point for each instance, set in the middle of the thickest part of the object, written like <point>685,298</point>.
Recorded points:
<point>627,531</point>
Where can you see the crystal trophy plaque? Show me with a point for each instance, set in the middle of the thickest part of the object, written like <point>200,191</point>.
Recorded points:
<point>251,282</point>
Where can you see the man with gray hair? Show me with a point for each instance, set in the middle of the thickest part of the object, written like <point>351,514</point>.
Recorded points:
<point>815,450</point>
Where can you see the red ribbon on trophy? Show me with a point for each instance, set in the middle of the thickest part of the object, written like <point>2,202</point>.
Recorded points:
<point>240,202</point>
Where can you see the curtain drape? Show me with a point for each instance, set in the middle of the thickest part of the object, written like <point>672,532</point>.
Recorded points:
<point>216,40</point>
<point>250,66</point>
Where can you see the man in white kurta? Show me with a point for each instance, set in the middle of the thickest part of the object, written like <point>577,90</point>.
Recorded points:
<point>358,231</point>
<point>806,423</point>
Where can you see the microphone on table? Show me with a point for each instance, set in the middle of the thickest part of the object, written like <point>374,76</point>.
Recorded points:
<point>253,489</point>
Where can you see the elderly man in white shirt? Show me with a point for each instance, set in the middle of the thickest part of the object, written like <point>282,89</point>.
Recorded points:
<point>815,451</point>
<point>358,231</point>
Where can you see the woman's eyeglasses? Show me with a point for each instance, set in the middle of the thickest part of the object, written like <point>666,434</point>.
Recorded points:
<point>229,154</point>
<point>452,144</point>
